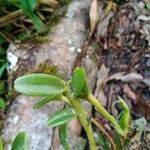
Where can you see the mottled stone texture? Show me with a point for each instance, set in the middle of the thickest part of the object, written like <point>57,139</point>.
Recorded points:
<point>62,48</point>
<point>21,117</point>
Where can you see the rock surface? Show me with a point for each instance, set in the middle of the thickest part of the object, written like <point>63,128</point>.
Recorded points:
<point>63,46</point>
<point>21,117</point>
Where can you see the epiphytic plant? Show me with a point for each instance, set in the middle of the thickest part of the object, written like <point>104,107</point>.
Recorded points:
<point>72,92</point>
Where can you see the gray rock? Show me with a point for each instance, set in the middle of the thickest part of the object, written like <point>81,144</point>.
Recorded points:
<point>63,42</point>
<point>61,50</point>
<point>75,142</point>
<point>148,62</point>
<point>147,73</point>
<point>147,82</point>
<point>22,117</point>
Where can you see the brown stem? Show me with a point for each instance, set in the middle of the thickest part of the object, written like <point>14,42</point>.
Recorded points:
<point>105,133</point>
<point>7,38</point>
<point>10,17</point>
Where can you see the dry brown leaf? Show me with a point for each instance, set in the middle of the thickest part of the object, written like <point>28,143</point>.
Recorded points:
<point>110,95</point>
<point>114,110</point>
<point>50,3</point>
<point>116,76</point>
<point>102,97</point>
<point>103,25</point>
<point>102,79</point>
<point>128,91</point>
<point>93,15</point>
<point>131,77</point>
<point>142,107</point>
<point>134,60</point>
<point>103,75</point>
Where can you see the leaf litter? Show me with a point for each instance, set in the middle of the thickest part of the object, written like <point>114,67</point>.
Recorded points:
<point>124,59</point>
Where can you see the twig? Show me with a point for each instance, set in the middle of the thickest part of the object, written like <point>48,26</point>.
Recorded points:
<point>6,38</point>
<point>105,133</point>
<point>110,97</point>
<point>10,17</point>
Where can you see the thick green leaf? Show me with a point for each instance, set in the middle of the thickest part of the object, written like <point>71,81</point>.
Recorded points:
<point>63,135</point>
<point>45,100</point>
<point>20,142</point>
<point>78,81</point>
<point>124,120</point>
<point>1,144</point>
<point>2,69</point>
<point>61,117</point>
<point>39,85</point>
<point>2,103</point>
<point>28,7</point>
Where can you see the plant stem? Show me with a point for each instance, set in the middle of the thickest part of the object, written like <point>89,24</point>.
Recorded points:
<point>105,133</point>
<point>100,108</point>
<point>65,99</point>
<point>82,115</point>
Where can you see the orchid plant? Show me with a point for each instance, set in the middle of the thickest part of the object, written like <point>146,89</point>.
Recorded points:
<point>72,92</point>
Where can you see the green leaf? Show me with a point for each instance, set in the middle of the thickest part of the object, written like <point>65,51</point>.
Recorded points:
<point>2,103</point>
<point>124,120</point>
<point>78,81</point>
<point>2,87</point>
<point>45,100</point>
<point>20,142</point>
<point>63,135</point>
<point>28,7</point>
<point>2,69</point>
<point>61,117</point>
<point>101,141</point>
<point>1,144</point>
<point>118,141</point>
<point>148,5</point>
<point>39,85</point>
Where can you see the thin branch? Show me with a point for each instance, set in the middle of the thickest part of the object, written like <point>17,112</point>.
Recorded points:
<point>6,38</point>
<point>7,19</point>
<point>105,133</point>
